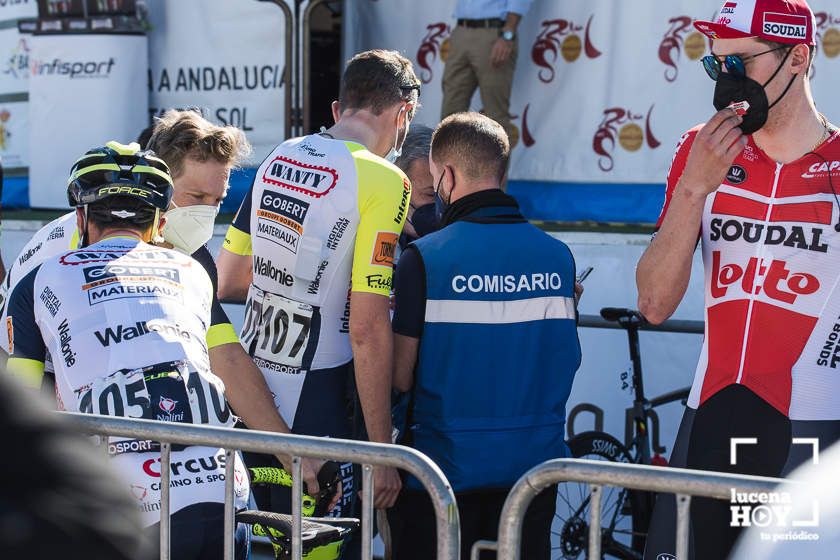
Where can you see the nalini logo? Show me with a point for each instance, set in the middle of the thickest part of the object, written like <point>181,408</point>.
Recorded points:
<point>561,38</point>
<point>139,492</point>
<point>678,40</point>
<point>435,44</point>
<point>73,69</point>
<point>622,125</point>
<point>167,405</point>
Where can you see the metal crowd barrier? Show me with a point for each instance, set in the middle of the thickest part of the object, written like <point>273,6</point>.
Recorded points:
<point>364,453</point>
<point>685,483</point>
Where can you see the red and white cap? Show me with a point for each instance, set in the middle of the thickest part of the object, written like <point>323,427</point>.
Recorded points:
<point>783,21</point>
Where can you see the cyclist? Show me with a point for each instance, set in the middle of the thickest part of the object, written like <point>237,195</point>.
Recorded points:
<point>127,326</point>
<point>200,156</point>
<point>756,184</point>
<point>312,248</point>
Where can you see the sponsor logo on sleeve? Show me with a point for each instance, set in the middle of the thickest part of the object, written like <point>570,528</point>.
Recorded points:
<point>384,249</point>
<point>337,233</point>
<point>29,254</point>
<point>406,193</point>
<point>50,301</point>
<point>64,340</point>
<point>56,233</point>
<point>280,219</point>
<point>312,180</point>
<point>736,175</point>
<point>379,281</point>
<point>785,26</point>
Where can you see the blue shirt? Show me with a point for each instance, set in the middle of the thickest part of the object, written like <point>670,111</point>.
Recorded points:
<point>485,9</point>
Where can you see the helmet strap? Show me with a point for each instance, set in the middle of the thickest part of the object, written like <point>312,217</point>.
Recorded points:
<point>157,238</point>
<point>83,238</point>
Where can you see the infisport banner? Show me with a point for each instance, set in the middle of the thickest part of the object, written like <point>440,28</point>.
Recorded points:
<point>80,101</point>
<point>603,89</point>
<point>225,58</point>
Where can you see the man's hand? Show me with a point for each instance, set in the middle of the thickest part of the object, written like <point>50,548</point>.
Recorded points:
<point>578,292</point>
<point>716,146</point>
<point>309,469</point>
<point>386,487</point>
<point>501,52</point>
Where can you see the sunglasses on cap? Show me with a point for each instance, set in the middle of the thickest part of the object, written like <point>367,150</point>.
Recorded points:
<point>734,63</point>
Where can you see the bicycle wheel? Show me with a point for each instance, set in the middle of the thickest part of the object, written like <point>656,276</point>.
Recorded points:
<point>625,514</point>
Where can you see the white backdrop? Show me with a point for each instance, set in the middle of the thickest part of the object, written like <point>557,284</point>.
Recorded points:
<point>603,88</point>
<point>226,58</point>
<point>84,90</point>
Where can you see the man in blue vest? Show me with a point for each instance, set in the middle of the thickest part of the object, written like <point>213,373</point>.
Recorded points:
<point>486,341</point>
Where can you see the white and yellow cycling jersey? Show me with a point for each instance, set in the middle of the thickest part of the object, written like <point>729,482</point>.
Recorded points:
<point>321,220</point>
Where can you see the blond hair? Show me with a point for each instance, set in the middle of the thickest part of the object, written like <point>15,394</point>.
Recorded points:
<point>179,135</point>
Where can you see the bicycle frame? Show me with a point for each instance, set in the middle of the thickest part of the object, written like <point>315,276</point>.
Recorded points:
<point>641,406</point>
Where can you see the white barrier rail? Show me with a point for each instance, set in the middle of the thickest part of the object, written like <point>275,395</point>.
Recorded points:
<point>685,483</point>
<point>364,453</point>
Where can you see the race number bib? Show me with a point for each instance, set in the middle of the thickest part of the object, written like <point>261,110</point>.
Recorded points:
<point>276,328</point>
<point>168,392</point>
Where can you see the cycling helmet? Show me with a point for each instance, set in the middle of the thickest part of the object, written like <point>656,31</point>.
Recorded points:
<point>120,170</point>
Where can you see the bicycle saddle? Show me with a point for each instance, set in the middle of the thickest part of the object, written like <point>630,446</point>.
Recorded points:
<point>619,313</point>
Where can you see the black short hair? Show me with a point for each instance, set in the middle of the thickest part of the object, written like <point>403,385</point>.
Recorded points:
<point>378,79</point>
<point>474,143</point>
<point>102,213</point>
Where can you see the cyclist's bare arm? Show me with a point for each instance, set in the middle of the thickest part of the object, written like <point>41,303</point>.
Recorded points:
<point>235,274</point>
<point>405,359</point>
<point>249,397</point>
<point>372,342</point>
<point>664,270</point>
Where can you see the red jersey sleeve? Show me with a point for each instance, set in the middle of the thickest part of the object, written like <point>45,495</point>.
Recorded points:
<point>677,168</point>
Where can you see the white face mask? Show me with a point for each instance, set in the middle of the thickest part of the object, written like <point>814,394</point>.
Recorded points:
<point>187,228</point>
<point>395,152</point>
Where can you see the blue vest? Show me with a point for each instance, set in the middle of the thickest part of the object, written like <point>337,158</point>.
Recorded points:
<point>499,350</point>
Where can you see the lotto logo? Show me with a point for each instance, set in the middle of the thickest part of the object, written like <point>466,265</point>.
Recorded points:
<point>773,277</point>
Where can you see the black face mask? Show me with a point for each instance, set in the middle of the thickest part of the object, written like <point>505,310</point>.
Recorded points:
<point>424,219</point>
<point>733,88</point>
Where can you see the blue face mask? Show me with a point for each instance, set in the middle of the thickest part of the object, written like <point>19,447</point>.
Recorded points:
<point>424,219</point>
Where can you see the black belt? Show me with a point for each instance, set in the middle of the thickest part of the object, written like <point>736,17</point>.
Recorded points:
<point>488,22</point>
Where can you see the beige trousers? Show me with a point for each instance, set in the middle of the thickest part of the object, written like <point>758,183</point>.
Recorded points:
<point>468,67</point>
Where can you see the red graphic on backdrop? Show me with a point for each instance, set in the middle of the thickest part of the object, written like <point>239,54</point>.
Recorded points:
<point>828,34</point>
<point>620,126</point>
<point>559,37</point>
<point>430,49</point>
<point>527,139</point>
<point>671,45</point>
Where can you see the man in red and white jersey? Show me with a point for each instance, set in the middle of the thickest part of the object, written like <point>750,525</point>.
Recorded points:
<point>757,184</point>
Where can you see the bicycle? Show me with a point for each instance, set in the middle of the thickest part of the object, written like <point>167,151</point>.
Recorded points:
<point>322,538</point>
<point>625,514</point>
